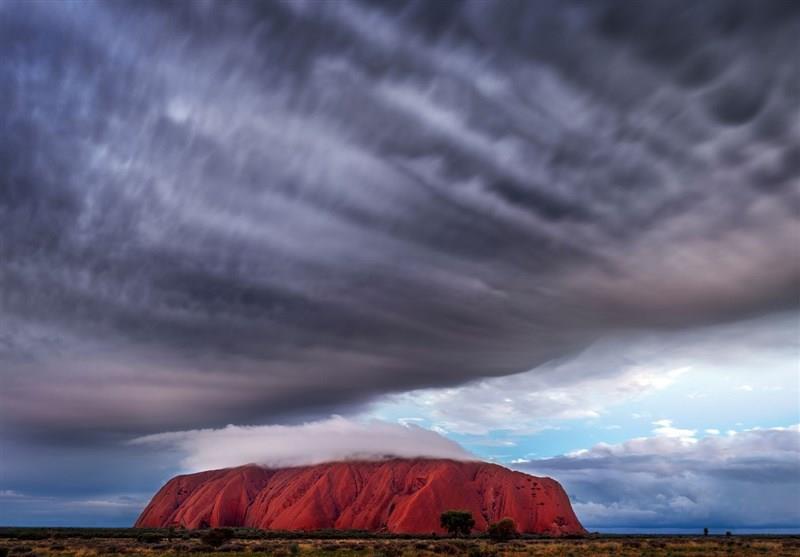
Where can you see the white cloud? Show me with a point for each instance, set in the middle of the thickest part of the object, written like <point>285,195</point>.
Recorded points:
<point>488,442</point>
<point>695,367</point>
<point>748,479</point>
<point>578,388</point>
<point>336,438</point>
<point>9,494</point>
<point>746,388</point>
<point>712,431</point>
<point>666,429</point>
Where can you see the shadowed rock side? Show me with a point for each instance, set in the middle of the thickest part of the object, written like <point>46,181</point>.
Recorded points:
<point>400,495</point>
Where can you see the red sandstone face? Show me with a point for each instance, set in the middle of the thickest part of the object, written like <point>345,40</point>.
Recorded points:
<point>401,496</point>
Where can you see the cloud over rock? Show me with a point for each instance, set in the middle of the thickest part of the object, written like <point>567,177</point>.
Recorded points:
<point>330,440</point>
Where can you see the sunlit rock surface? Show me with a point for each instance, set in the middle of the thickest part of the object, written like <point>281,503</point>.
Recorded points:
<point>399,495</point>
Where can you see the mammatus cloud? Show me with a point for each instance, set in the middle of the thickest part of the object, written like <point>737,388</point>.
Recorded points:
<point>742,479</point>
<point>336,438</point>
<point>273,212</point>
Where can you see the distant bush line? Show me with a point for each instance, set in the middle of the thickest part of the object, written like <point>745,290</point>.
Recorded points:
<point>154,535</point>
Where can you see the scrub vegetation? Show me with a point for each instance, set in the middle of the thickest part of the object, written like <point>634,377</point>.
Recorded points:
<point>78,542</point>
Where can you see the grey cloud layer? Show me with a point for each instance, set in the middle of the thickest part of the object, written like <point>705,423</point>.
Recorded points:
<point>218,213</point>
<point>744,480</point>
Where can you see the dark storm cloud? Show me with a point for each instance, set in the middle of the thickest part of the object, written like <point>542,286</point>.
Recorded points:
<point>231,212</point>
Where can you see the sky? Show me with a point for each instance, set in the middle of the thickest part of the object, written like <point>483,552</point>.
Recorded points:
<point>561,236</point>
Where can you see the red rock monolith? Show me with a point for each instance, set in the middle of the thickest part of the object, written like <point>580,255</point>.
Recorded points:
<point>398,495</point>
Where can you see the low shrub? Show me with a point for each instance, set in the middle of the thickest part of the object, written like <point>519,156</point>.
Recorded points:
<point>217,536</point>
<point>149,538</point>
<point>503,530</point>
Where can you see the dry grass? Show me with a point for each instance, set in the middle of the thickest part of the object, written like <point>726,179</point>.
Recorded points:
<point>596,547</point>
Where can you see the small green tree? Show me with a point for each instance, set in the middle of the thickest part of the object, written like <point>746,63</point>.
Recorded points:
<point>705,531</point>
<point>457,523</point>
<point>503,530</point>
